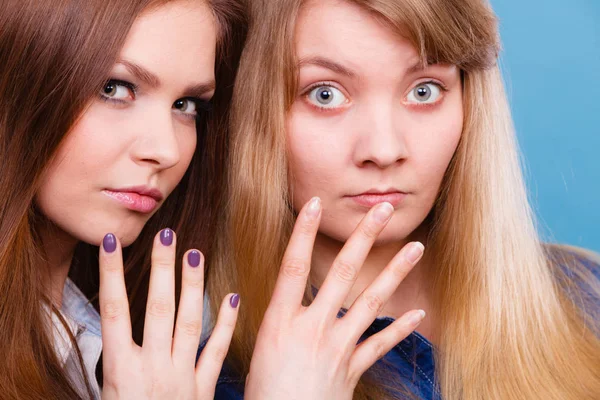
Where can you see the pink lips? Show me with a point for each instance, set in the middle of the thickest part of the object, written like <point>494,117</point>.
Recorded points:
<point>371,199</point>
<point>140,198</point>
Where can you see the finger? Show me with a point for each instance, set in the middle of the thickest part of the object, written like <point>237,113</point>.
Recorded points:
<point>349,261</point>
<point>295,267</point>
<point>378,345</point>
<point>371,301</point>
<point>114,306</point>
<point>213,355</point>
<point>160,310</point>
<point>189,316</point>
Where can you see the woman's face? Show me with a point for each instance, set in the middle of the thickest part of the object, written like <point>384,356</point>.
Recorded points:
<point>134,142</point>
<point>368,124</point>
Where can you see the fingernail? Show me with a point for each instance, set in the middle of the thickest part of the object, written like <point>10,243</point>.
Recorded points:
<point>234,300</point>
<point>166,237</point>
<point>416,318</point>
<point>314,207</point>
<point>414,253</point>
<point>383,212</point>
<point>194,258</point>
<point>109,243</point>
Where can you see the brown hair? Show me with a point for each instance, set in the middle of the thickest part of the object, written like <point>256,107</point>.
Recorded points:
<point>508,326</point>
<point>56,55</point>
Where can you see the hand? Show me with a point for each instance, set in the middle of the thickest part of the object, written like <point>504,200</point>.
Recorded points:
<point>165,366</point>
<point>307,352</point>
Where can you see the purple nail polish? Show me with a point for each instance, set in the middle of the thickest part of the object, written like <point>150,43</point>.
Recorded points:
<point>109,243</point>
<point>166,237</point>
<point>194,258</point>
<point>234,300</point>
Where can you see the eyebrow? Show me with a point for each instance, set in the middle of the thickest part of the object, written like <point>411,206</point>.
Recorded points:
<point>150,79</point>
<point>328,64</point>
<point>340,69</point>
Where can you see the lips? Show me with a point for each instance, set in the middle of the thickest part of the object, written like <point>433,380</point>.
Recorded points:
<point>141,199</point>
<point>372,198</point>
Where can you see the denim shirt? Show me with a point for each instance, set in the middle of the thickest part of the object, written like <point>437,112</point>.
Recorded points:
<point>411,361</point>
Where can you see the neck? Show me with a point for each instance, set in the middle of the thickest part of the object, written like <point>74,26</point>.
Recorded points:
<point>58,247</point>
<point>412,293</point>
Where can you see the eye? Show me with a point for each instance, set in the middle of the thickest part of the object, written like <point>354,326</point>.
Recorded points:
<point>118,91</point>
<point>186,106</point>
<point>325,96</point>
<point>424,93</point>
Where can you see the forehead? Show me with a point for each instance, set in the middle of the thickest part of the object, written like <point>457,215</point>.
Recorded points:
<point>177,39</point>
<point>348,33</point>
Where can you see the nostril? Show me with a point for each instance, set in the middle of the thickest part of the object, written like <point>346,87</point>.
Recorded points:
<point>151,161</point>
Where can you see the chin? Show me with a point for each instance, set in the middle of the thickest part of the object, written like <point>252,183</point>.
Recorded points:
<point>126,234</point>
<point>399,229</point>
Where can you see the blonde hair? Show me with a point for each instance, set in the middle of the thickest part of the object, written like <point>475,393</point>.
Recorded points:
<point>513,321</point>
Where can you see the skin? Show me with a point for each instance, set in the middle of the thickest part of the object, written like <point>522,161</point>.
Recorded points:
<point>141,137</point>
<point>377,132</point>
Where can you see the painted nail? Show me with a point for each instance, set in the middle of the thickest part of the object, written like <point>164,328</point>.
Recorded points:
<point>166,237</point>
<point>414,252</point>
<point>109,243</point>
<point>383,212</point>
<point>234,300</point>
<point>416,318</point>
<point>194,258</point>
<point>314,207</point>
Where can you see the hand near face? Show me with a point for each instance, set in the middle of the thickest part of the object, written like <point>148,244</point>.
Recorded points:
<point>165,366</point>
<point>307,352</point>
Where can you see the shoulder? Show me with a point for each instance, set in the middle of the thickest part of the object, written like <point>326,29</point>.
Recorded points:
<point>577,272</point>
<point>577,263</point>
<point>229,385</point>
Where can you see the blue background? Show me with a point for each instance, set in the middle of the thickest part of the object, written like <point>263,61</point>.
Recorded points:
<point>551,66</point>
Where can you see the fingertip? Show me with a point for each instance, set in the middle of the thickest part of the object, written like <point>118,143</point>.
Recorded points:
<point>414,252</point>
<point>166,237</point>
<point>234,301</point>
<point>416,317</point>
<point>109,243</point>
<point>313,208</point>
<point>194,258</point>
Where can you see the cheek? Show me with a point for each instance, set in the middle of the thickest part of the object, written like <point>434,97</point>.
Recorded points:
<point>434,143</point>
<point>86,152</point>
<point>316,159</point>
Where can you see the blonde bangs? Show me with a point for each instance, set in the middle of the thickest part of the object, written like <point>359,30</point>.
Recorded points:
<point>459,32</point>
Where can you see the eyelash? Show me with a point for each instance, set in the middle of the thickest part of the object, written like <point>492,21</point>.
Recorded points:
<point>202,106</point>
<point>425,106</point>
<point>309,89</point>
<point>442,87</point>
<point>119,82</point>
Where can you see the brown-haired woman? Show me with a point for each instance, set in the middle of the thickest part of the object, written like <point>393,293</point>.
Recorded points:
<point>105,139</point>
<point>396,105</point>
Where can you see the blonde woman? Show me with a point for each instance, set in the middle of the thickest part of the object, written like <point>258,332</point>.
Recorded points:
<point>396,109</point>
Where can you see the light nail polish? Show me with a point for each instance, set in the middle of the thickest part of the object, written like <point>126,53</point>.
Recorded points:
<point>383,212</point>
<point>416,318</point>
<point>414,252</point>
<point>314,207</point>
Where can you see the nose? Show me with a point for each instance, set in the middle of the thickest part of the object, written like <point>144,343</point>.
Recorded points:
<point>380,137</point>
<point>156,143</point>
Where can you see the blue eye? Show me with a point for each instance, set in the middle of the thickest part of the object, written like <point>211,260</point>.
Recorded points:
<point>424,93</point>
<point>326,97</point>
